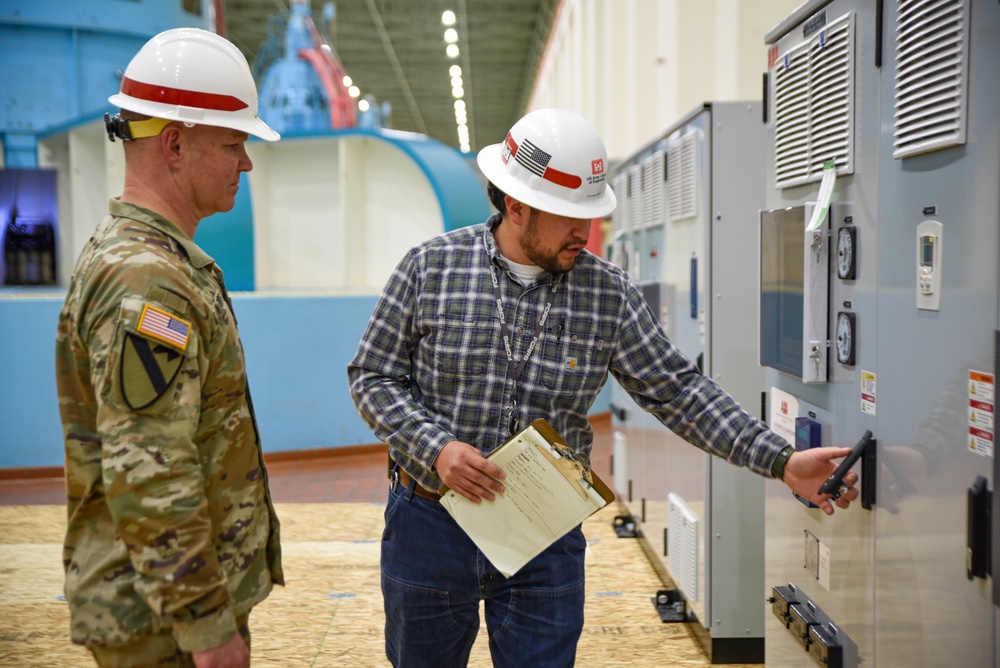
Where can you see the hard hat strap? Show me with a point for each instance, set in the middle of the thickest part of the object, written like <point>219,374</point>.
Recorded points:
<point>128,130</point>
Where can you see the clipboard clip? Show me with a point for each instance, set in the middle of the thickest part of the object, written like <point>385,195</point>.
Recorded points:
<point>557,446</point>
<point>570,454</point>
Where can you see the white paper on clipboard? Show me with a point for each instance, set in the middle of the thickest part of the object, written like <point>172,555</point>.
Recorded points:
<point>547,494</point>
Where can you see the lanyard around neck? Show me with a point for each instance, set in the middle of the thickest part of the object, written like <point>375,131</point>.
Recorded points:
<point>517,368</point>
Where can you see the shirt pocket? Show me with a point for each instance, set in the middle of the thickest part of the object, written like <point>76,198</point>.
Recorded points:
<point>463,347</point>
<point>570,359</point>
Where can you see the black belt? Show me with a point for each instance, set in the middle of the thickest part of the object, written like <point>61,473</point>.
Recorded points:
<point>404,479</point>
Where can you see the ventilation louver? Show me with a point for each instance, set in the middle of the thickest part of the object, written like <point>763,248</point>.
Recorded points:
<point>791,117</point>
<point>682,176</point>
<point>635,197</point>
<point>932,66</point>
<point>814,105</point>
<point>683,546</point>
<point>652,190</point>
<point>619,217</point>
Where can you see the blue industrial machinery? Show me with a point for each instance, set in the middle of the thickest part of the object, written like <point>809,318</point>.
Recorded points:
<point>302,91</point>
<point>60,59</point>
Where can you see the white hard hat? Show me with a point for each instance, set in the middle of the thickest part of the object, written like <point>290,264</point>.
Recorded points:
<point>194,76</point>
<point>552,160</point>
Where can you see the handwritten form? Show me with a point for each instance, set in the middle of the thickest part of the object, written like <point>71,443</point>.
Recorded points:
<point>546,495</point>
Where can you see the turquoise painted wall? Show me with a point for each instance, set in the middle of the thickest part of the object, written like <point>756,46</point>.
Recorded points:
<point>297,351</point>
<point>228,237</point>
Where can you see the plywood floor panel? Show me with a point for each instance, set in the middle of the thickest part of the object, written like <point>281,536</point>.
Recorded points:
<point>330,612</point>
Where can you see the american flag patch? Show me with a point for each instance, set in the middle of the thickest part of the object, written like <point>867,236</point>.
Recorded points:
<point>164,327</point>
<point>532,157</point>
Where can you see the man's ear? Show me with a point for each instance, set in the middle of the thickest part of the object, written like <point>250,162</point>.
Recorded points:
<point>516,210</point>
<point>172,144</point>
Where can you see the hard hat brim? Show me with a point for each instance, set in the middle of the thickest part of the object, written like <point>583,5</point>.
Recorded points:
<point>253,126</point>
<point>492,166</point>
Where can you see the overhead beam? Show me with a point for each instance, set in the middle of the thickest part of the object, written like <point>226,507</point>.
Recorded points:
<point>390,52</point>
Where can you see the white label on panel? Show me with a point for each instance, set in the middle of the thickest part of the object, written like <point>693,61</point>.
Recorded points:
<point>784,410</point>
<point>811,561</point>
<point>982,387</point>
<point>824,566</point>
<point>868,393</point>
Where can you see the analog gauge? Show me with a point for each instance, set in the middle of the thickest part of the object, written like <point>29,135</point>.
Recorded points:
<point>845,337</point>
<point>847,252</point>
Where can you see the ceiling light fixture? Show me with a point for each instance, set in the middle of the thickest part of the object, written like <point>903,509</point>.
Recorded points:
<point>448,18</point>
<point>354,91</point>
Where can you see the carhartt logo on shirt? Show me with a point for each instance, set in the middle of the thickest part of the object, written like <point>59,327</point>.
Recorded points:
<point>571,362</point>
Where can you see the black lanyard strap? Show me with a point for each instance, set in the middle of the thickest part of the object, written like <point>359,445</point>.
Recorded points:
<point>517,368</point>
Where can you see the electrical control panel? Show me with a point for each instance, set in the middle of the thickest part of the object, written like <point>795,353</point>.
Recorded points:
<point>686,208</point>
<point>913,335</point>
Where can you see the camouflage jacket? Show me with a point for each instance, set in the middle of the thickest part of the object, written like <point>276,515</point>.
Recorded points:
<point>170,521</point>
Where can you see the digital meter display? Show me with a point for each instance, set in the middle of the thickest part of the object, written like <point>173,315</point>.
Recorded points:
<point>927,251</point>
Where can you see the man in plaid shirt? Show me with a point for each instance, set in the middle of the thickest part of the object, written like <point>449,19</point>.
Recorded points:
<point>484,329</point>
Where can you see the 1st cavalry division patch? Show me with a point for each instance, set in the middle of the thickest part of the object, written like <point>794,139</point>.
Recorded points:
<point>148,367</point>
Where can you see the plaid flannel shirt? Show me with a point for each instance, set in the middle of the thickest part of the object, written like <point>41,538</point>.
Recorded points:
<point>432,368</point>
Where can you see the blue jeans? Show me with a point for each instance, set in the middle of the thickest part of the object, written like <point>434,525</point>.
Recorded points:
<point>433,578</point>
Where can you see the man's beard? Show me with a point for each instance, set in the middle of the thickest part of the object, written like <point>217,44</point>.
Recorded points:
<point>530,245</point>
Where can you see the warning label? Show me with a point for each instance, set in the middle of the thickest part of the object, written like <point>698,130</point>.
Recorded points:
<point>982,387</point>
<point>868,393</point>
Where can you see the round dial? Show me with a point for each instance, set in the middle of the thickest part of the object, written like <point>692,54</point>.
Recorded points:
<point>846,252</point>
<point>845,337</point>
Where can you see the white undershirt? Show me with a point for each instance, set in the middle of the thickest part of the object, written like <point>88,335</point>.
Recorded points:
<point>525,273</point>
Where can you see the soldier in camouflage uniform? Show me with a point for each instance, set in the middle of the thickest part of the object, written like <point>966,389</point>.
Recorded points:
<point>172,537</point>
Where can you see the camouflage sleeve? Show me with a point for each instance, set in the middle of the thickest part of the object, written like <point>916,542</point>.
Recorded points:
<point>149,394</point>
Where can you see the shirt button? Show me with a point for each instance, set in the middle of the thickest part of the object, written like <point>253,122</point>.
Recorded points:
<point>520,330</point>
<point>573,338</point>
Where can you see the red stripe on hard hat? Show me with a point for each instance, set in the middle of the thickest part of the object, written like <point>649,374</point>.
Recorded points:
<point>185,98</point>
<point>563,179</point>
<point>511,144</point>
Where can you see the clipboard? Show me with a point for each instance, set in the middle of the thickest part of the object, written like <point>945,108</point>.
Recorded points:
<point>548,492</point>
